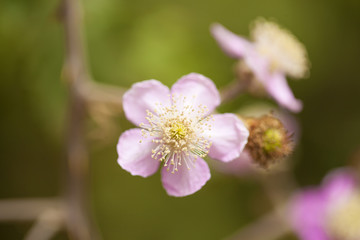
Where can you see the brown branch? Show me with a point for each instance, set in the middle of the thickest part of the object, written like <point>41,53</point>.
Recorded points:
<point>94,92</point>
<point>27,209</point>
<point>79,221</point>
<point>75,212</point>
<point>47,225</point>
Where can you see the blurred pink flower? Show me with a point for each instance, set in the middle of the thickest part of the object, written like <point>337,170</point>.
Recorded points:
<point>272,55</point>
<point>176,129</point>
<point>331,211</point>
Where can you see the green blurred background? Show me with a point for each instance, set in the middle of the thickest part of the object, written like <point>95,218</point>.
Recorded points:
<point>130,41</point>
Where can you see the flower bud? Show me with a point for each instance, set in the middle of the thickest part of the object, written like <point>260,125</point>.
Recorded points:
<point>269,141</point>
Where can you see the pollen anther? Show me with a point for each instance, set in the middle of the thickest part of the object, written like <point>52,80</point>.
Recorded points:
<point>181,132</point>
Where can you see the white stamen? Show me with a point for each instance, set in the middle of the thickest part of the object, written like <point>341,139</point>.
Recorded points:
<point>283,50</point>
<point>181,132</point>
<point>344,218</point>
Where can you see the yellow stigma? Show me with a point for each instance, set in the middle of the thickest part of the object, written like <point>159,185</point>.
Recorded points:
<point>272,139</point>
<point>344,220</point>
<point>283,50</point>
<point>178,131</point>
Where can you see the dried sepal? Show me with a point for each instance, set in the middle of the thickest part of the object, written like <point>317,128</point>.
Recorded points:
<point>269,141</point>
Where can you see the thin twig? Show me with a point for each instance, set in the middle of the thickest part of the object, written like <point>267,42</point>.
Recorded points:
<point>243,80</point>
<point>232,90</point>
<point>95,92</point>
<point>47,225</point>
<point>27,209</point>
<point>279,186</point>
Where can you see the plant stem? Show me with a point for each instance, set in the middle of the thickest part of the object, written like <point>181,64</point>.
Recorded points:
<point>79,223</point>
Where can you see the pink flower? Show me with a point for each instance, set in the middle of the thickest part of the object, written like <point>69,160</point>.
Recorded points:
<point>272,55</point>
<point>177,130</point>
<point>331,211</point>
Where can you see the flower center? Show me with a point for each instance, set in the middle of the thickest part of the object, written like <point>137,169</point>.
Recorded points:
<point>284,52</point>
<point>344,219</point>
<point>181,133</point>
<point>272,140</point>
<point>178,131</point>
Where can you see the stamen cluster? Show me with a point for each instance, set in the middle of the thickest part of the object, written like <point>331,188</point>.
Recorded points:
<point>281,47</point>
<point>344,219</point>
<point>181,132</point>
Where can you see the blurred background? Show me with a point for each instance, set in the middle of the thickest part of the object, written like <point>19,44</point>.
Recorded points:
<point>130,41</point>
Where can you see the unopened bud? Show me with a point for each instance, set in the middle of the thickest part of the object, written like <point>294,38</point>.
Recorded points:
<point>268,141</point>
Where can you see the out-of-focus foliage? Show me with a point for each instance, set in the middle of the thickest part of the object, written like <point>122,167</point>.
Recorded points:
<point>130,41</point>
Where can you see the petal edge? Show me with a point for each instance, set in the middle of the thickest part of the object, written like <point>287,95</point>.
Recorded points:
<point>143,96</point>
<point>232,44</point>
<point>135,157</point>
<point>186,181</point>
<point>229,137</point>
<point>195,84</point>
